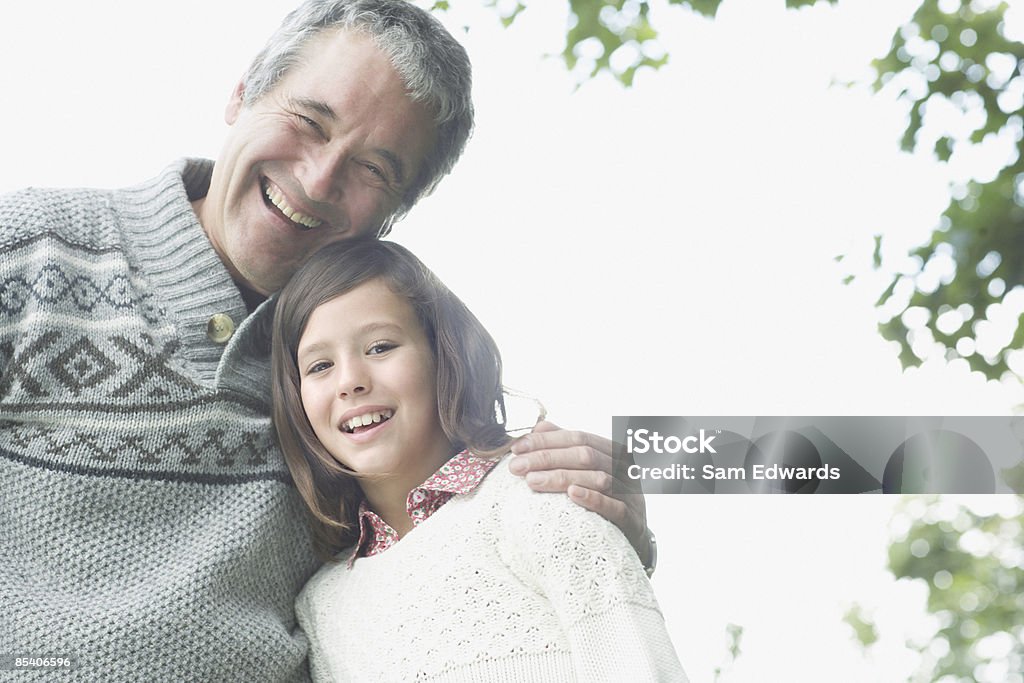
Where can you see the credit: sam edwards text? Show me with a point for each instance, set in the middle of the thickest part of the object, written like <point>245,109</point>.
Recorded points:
<point>757,472</point>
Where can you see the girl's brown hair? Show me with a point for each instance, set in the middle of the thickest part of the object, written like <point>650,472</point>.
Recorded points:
<point>470,399</point>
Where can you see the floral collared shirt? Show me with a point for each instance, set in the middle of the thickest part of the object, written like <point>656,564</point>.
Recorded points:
<point>459,476</point>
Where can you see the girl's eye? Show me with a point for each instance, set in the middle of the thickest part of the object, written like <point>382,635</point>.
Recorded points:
<point>380,347</point>
<point>319,366</point>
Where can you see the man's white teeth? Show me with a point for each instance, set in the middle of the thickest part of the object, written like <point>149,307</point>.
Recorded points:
<point>278,200</point>
<point>366,419</point>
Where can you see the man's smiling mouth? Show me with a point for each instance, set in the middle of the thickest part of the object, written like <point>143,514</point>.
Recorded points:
<point>277,200</point>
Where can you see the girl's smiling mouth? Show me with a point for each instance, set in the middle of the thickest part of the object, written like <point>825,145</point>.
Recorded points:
<point>366,421</point>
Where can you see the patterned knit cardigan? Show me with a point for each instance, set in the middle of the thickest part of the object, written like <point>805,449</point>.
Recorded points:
<point>148,529</point>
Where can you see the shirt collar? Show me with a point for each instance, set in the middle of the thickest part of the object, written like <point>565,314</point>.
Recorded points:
<point>460,475</point>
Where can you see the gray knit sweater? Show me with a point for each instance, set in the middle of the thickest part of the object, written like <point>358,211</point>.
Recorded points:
<point>147,527</point>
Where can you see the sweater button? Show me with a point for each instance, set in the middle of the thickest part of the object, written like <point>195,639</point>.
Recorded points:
<point>219,328</point>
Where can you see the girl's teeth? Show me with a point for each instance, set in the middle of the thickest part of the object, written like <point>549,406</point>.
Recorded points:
<point>367,419</point>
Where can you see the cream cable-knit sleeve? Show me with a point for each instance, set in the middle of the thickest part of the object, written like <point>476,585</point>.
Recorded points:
<point>306,616</point>
<point>595,583</point>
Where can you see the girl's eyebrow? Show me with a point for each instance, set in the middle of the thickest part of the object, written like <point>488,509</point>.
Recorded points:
<point>368,328</point>
<point>311,348</point>
<point>377,326</point>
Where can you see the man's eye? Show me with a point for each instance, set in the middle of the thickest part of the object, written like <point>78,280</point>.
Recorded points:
<point>313,125</point>
<point>376,171</point>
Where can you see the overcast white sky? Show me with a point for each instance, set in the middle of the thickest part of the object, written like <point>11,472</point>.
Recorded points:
<point>663,250</point>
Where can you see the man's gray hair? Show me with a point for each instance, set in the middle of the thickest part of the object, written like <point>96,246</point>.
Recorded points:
<point>433,66</point>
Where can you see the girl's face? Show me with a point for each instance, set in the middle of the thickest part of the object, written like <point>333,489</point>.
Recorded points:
<point>368,385</point>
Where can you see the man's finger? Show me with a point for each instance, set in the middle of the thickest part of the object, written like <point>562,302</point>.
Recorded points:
<point>567,458</point>
<point>545,426</point>
<point>546,435</point>
<point>559,481</point>
<point>612,509</point>
<point>630,521</point>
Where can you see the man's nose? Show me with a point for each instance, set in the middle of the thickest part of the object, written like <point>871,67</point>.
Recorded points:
<point>322,172</point>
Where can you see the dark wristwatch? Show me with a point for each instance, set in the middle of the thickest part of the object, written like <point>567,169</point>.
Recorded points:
<point>652,554</point>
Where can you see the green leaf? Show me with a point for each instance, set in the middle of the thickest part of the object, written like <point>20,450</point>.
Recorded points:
<point>888,291</point>
<point>792,4</point>
<point>709,8</point>
<point>943,148</point>
<point>863,629</point>
<point>735,633</point>
<point>507,20</point>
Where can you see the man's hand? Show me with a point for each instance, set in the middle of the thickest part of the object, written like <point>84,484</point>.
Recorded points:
<point>579,463</point>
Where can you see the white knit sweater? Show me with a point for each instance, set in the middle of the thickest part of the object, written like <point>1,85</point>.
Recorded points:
<point>502,584</point>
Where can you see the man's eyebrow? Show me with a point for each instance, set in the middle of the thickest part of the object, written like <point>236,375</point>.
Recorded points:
<point>317,106</point>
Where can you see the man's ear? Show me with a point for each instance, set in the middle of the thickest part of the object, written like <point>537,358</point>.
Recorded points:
<point>234,104</point>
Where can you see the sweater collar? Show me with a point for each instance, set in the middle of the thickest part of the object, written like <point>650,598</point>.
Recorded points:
<point>189,282</point>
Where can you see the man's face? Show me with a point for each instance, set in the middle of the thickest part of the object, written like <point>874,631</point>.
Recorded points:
<point>326,155</point>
